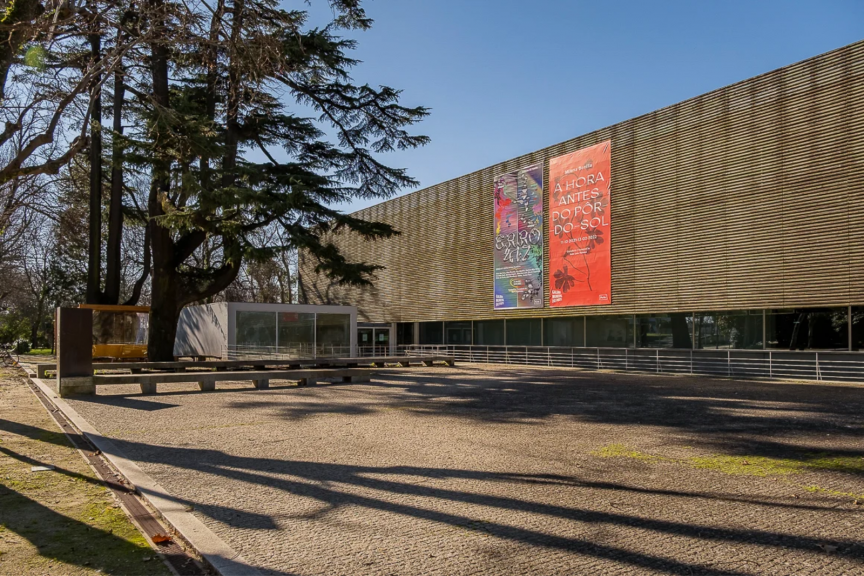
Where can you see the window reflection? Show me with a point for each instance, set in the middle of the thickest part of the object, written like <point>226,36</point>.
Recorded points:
<point>457,332</point>
<point>610,331</point>
<point>489,332</point>
<point>564,331</point>
<point>665,330</point>
<point>729,330</point>
<point>524,332</point>
<point>431,333</point>
<point>807,329</point>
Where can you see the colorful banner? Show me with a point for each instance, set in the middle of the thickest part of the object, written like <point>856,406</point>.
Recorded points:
<point>580,261</point>
<point>519,239</point>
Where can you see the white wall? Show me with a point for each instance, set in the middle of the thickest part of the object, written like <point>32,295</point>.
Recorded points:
<point>202,330</point>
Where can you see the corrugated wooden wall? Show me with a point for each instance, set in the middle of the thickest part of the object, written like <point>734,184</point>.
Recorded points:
<point>751,196</point>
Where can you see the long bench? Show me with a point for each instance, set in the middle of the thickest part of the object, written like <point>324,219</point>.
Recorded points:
<point>207,380</point>
<point>260,364</point>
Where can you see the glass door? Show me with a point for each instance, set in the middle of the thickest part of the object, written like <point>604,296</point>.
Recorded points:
<point>382,342</point>
<point>365,342</point>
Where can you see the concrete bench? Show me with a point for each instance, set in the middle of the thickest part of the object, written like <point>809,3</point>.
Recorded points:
<point>207,380</point>
<point>261,364</point>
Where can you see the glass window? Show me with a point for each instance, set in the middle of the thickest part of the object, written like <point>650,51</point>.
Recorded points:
<point>665,330</point>
<point>333,334</point>
<point>858,327</point>
<point>457,332</point>
<point>111,327</point>
<point>736,329</point>
<point>610,331</point>
<point>564,331</point>
<point>431,332</point>
<point>256,329</point>
<point>807,329</point>
<point>524,332</point>
<point>489,332</point>
<point>404,333</point>
<point>296,333</point>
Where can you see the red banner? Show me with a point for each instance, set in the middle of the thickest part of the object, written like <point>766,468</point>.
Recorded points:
<point>580,262</point>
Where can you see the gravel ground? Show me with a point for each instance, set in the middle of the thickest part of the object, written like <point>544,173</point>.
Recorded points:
<point>511,470</point>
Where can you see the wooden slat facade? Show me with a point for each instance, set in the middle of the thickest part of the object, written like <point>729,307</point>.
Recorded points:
<point>748,197</point>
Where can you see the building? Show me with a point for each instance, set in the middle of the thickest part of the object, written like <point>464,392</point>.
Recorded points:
<point>231,330</point>
<point>730,221</point>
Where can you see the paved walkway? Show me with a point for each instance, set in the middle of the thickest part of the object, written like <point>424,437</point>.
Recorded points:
<point>512,470</point>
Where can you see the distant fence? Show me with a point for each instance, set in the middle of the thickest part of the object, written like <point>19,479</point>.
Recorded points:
<point>803,365</point>
<point>300,352</point>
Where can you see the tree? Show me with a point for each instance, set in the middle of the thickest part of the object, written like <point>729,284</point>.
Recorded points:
<point>216,114</point>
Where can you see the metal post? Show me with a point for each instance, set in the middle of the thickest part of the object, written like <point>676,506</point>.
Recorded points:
<point>691,361</point>
<point>626,360</point>
<point>571,358</point>
<point>770,364</point>
<point>548,356</point>
<point>658,360</point>
<point>598,358</point>
<point>818,371</point>
<point>728,363</point>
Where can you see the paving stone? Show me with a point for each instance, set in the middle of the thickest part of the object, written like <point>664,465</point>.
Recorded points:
<point>509,470</point>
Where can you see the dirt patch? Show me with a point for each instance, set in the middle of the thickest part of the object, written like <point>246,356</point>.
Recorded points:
<point>60,521</point>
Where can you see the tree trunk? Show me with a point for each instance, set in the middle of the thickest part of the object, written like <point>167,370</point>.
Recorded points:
<point>115,210</point>
<point>164,314</point>
<point>94,248</point>
<point>165,306</point>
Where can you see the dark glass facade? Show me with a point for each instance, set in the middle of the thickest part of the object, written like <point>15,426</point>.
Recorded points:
<point>431,332</point>
<point>858,328</point>
<point>807,329</point>
<point>664,330</point>
<point>457,333</point>
<point>564,331</point>
<point>404,333</point>
<point>609,331</point>
<point>795,329</point>
<point>489,332</point>
<point>525,332</point>
<point>729,330</point>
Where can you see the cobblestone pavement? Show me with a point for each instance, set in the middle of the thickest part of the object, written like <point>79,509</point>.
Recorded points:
<point>512,470</point>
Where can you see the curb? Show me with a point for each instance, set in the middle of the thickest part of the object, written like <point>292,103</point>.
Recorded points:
<point>221,557</point>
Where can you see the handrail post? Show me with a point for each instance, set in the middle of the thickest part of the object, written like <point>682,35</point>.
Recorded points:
<point>598,359</point>
<point>691,361</point>
<point>626,360</point>
<point>729,363</point>
<point>818,371</point>
<point>770,364</point>
<point>658,360</point>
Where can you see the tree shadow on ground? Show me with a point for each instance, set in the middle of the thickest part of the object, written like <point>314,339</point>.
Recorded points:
<point>67,540</point>
<point>323,481</point>
<point>748,418</point>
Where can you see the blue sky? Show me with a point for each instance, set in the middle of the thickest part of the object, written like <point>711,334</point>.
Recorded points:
<point>504,78</point>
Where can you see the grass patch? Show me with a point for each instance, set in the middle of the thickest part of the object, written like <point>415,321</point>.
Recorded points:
<point>747,465</point>
<point>622,451</point>
<point>38,352</point>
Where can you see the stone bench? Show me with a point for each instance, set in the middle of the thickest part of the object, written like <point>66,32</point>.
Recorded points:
<point>377,361</point>
<point>207,380</point>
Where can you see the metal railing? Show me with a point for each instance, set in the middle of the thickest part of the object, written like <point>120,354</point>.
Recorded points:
<point>783,364</point>
<point>298,352</point>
